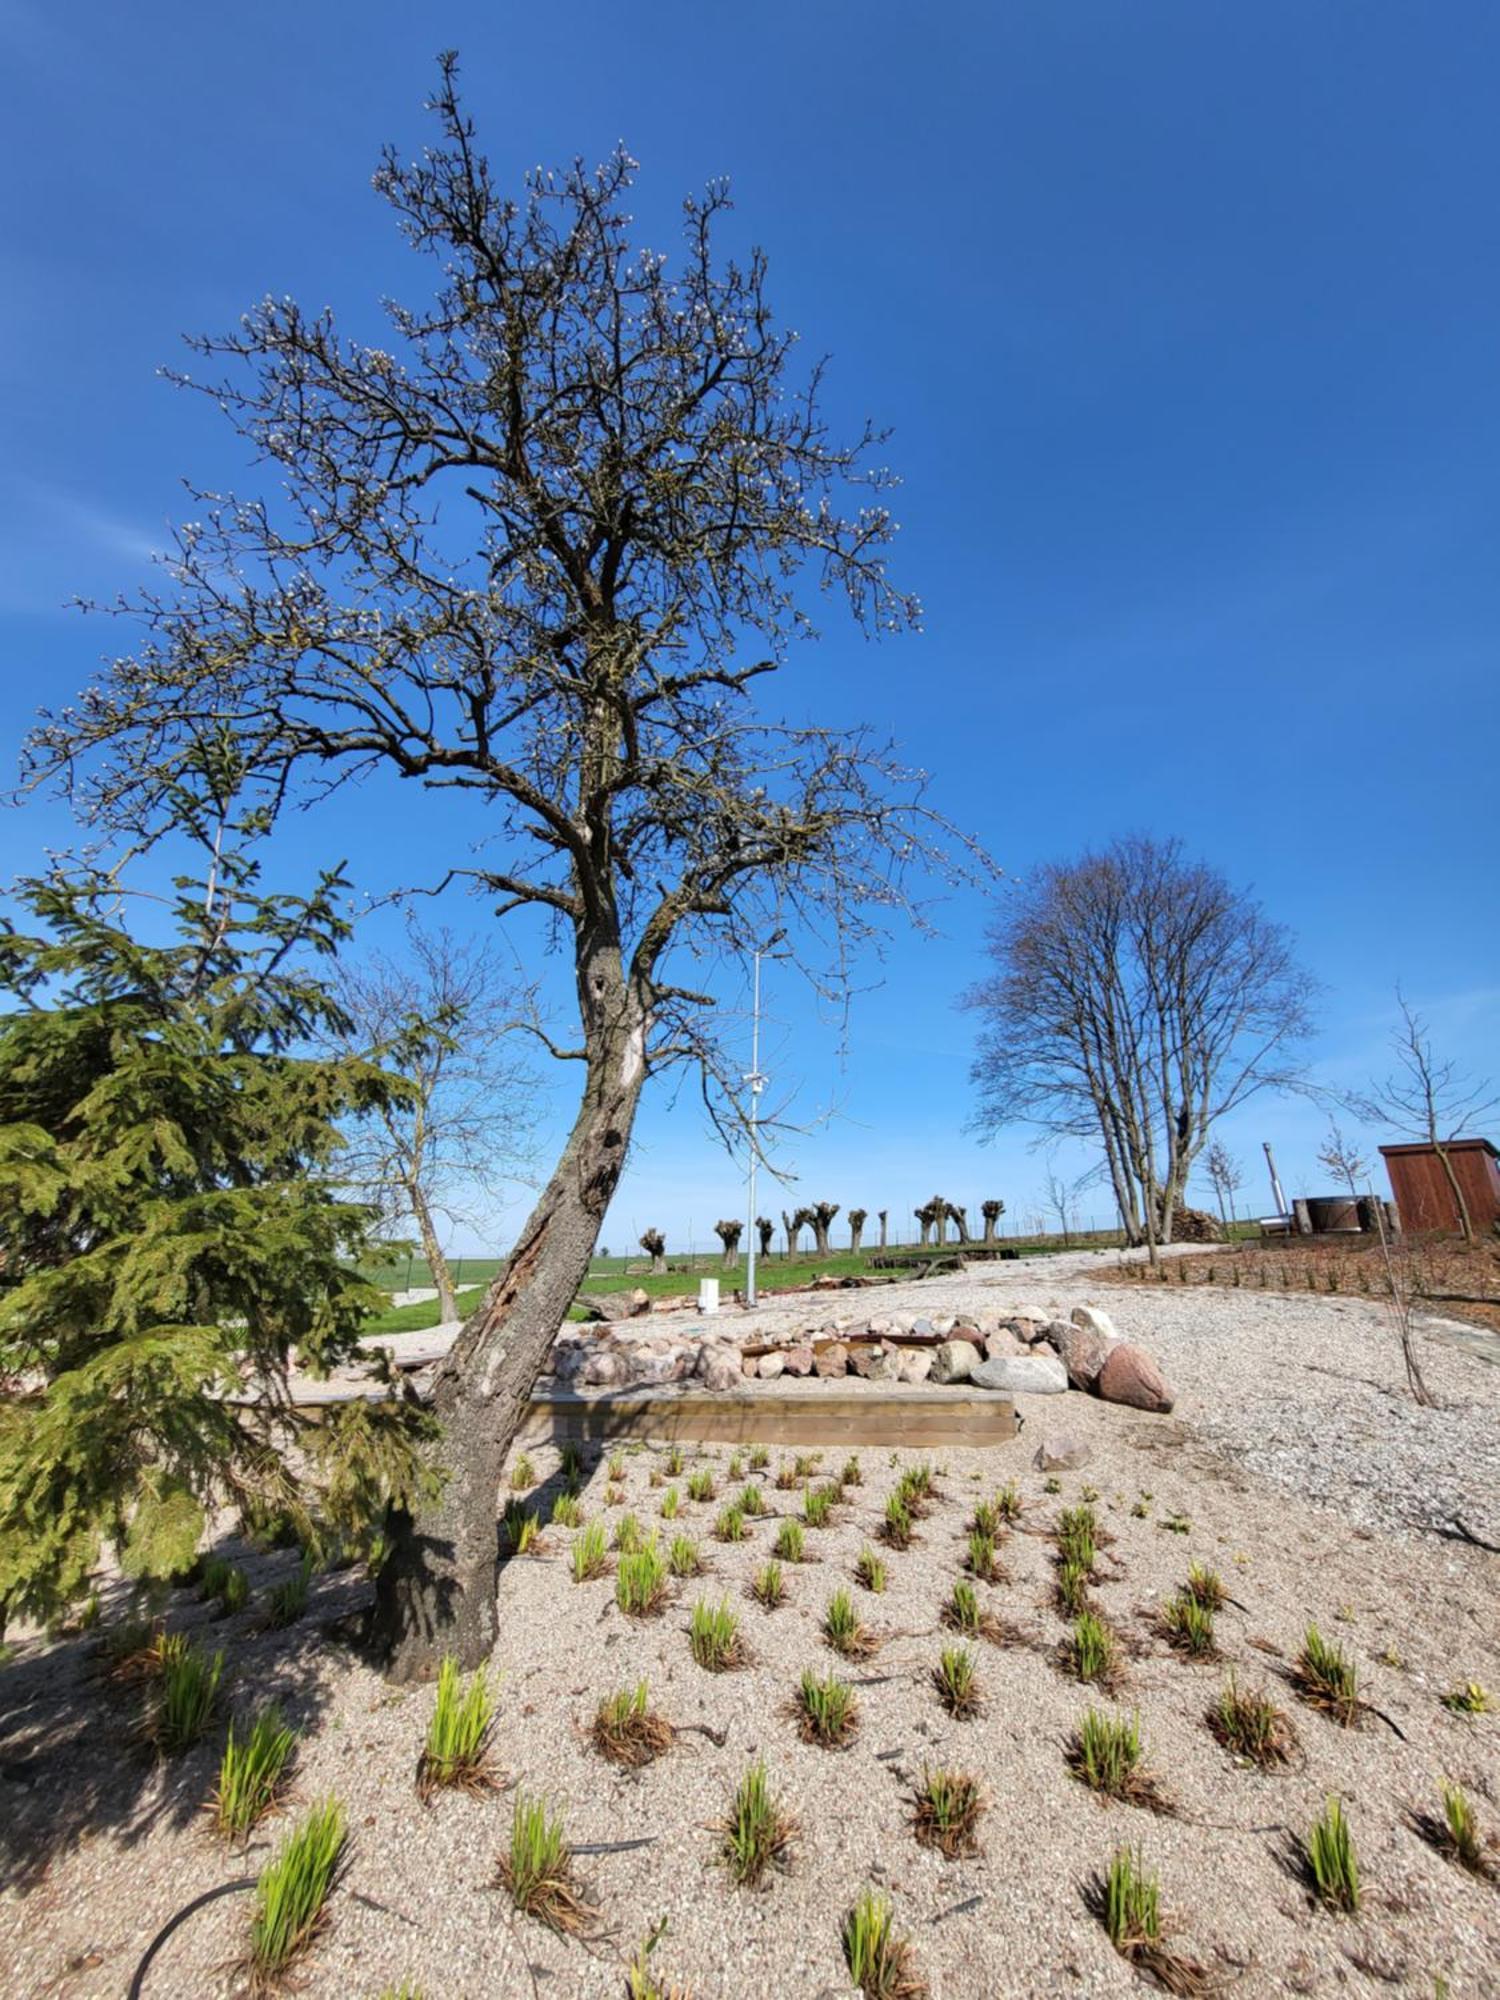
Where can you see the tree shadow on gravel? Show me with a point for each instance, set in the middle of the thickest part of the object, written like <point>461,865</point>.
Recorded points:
<point>75,1761</point>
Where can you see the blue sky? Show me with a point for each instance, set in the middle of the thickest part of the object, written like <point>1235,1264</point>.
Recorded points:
<point>1185,320</point>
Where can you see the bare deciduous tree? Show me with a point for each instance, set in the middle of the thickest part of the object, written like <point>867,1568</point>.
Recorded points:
<point>882,1216</point>
<point>959,1217</point>
<point>729,1232</point>
<point>655,1246</point>
<point>821,1216</point>
<point>1429,1099</point>
<point>1341,1157</point>
<point>445,1018</point>
<point>857,1219</point>
<point>535,551</point>
<point>1226,1177</point>
<point>991,1211</point>
<point>1136,998</point>
<point>765,1229</point>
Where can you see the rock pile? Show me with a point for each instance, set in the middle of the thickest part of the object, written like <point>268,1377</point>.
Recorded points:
<point>1025,1352</point>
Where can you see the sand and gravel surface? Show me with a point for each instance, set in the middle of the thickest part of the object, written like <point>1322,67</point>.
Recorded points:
<point>1293,1464</point>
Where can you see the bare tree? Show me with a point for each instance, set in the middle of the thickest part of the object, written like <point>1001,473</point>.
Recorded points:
<point>821,1216</point>
<point>765,1229</point>
<point>1342,1159</point>
<point>1062,1202</point>
<point>857,1220</point>
<point>1429,1099</point>
<point>992,1212</point>
<point>959,1217</point>
<point>1226,1177</point>
<point>882,1216</point>
<point>794,1224</point>
<point>1136,998</point>
<point>534,552</point>
<point>729,1233</point>
<point>446,1019</point>
<point>655,1246</point>
<point>927,1217</point>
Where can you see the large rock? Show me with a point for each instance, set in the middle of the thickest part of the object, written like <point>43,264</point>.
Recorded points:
<point>648,1367</point>
<point>875,1364</point>
<point>1082,1351</point>
<point>799,1359</point>
<point>718,1368</point>
<point>638,1302</point>
<point>1129,1375</point>
<point>1093,1319</point>
<point>1022,1375</point>
<point>913,1364</point>
<point>954,1361</point>
<point>1002,1341</point>
<point>1061,1451</point>
<point>605,1370</point>
<point>832,1359</point>
<point>771,1365</point>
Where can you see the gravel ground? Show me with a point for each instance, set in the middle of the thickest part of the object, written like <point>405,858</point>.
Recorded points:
<point>1292,1464</point>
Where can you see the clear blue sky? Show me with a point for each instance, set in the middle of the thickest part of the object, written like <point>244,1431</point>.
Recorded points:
<point>1186,320</point>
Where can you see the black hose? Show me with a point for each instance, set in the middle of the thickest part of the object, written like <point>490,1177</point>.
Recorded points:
<point>137,1985</point>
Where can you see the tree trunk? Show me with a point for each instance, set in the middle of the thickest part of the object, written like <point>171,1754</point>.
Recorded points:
<point>436,1592</point>
<point>883,1215</point>
<point>856,1233</point>
<point>820,1238</point>
<point>432,1250</point>
<point>1465,1220</point>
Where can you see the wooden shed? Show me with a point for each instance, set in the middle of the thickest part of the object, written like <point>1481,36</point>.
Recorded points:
<point>1424,1200</point>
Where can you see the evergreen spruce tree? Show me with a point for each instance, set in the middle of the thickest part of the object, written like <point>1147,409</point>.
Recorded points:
<point>172,1234</point>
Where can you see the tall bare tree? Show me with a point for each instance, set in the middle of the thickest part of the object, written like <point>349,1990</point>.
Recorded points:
<point>655,1246</point>
<point>1136,998</point>
<point>729,1232</point>
<point>1226,1177</point>
<point>1341,1157</point>
<point>992,1211</point>
<point>1427,1098</point>
<point>536,550</point>
<point>857,1219</point>
<point>765,1229</point>
<point>447,1019</point>
<point>821,1216</point>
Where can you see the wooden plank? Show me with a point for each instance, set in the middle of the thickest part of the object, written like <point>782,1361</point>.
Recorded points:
<point>901,1414</point>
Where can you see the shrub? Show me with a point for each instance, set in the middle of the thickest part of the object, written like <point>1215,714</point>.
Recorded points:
<point>683,1558</point>
<point>251,1774</point>
<point>1189,1626</point>
<point>789,1542</point>
<point>523,1473</point>
<point>286,1601</point>
<point>755,1833</point>
<point>1091,1652</point>
<point>896,1528</point>
<point>843,1630</point>
<point>641,1582</point>
<point>187,1694</point>
<point>590,1557</point>
<point>457,1751</point>
<point>879,1962</point>
<point>946,1810</point>
<point>714,1635</point>
<point>730,1526</point>
<point>537,1869</point>
<point>1326,1679</point>
<point>700,1485</point>
<point>628,1731</point>
<point>869,1570</point>
<point>1331,1862</point>
<point>1252,1726</point>
<point>826,1710</point>
<point>293,1891</point>
<point>769,1586</point>
<point>957,1686</point>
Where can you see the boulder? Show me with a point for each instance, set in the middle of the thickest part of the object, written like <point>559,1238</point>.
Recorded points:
<point>832,1359</point>
<point>605,1370</point>
<point>1129,1375</point>
<point>1022,1375</point>
<point>864,1358</point>
<point>799,1359</point>
<point>648,1367</point>
<point>1093,1319</point>
<point>954,1361</point>
<point>639,1302</point>
<point>718,1368</point>
<point>923,1325</point>
<point>1037,1315</point>
<point>1002,1341</point>
<point>913,1364</point>
<point>1083,1352</point>
<point>1061,1451</point>
<point>770,1365</point>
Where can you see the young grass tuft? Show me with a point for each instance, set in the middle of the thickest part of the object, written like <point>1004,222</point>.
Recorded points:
<point>1468,1698</point>
<point>1072,1587</point>
<point>671,1503</point>
<point>790,1542</point>
<point>987,1521</point>
<point>675,1462</point>
<point>292,1893</point>
<point>1462,1837</point>
<point>786,1478</point>
<point>1331,1863</point>
<point>714,1635</point>
<point>955,1680</point>
<point>1188,1627</point>
<point>286,1601</point>
<point>736,1467</point>
<point>614,1496</point>
<point>700,1485</point>
<point>567,1511</point>
<point>683,1558</point>
<point>521,1529</point>
<point>850,1473</point>
<point>769,1586</point>
<point>1077,1536</point>
<point>805,1464</point>
<point>826,1710</point>
<point>869,1571</point>
<point>458,1736</point>
<point>570,1464</point>
<point>1205,1587</point>
<point>186,1695</point>
<point>896,1528</point>
<point>629,1536</point>
<point>590,1557</point>
<point>1008,1503</point>
<point>628,1731</point>
<point>946,1808</point>
<point>981,1560</point>
<point>730,1526</point>
<point>1326,1679</point>
<point>1091,1653</point>
<point>537,1869</point>
<point>1128,1900</point>
<point>755,1833</point>
<point>752,1501</point>
<point>251,1775</point>
<point>759,1458</point>
<point>641,1582</point>
<point>1251,1726</point>
<point>879,1962</point>
<point>1105,1755</point>
<point>844,1630</point>
<point>614,1470</point>
<point>817,1505</point>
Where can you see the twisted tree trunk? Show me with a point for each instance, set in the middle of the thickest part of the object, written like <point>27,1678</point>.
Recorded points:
<point>856,1228</point>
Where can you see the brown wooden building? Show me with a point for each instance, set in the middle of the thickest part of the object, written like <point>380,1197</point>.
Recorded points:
<point>1424,1200</point>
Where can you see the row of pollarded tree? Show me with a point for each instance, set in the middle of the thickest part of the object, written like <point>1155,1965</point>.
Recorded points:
<point>934,1217</point>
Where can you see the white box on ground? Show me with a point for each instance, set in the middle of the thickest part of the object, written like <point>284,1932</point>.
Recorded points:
<point>708,1295</point>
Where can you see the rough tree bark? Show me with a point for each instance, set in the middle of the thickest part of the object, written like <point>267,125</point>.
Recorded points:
<point>884,1215</point>
<point>857,1218</point>
<point>655,1246</point>
<point>959,1216</point>
<point>765,1228</point>
<point>821,1216</point>
<point>992,1212</point>
<point>729,1233</point>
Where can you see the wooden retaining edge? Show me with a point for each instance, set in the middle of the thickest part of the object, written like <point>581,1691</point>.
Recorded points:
<point>904,1414</point>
